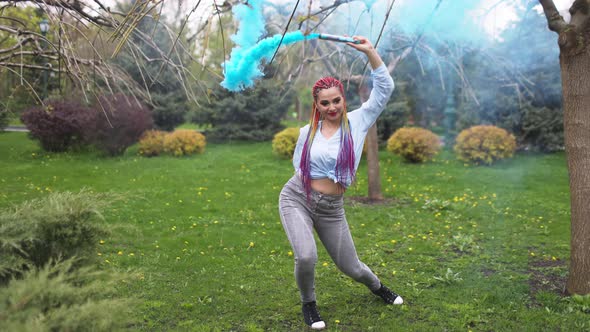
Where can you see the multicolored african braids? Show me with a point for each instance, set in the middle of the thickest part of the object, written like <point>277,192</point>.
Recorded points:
<point>346,159</point>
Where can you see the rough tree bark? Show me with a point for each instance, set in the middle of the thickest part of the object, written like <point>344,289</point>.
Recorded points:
<point>574,58</point>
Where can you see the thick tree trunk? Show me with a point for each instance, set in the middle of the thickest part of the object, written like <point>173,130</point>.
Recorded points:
<point>575,76</point>
<point>574,58</point>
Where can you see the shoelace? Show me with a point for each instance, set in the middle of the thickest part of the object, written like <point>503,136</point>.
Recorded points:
<point>311,312</point>
<point>386,294</point>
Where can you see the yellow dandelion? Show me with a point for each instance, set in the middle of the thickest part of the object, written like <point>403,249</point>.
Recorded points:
<point>101,242</point>
<point>290,253</point>
<point>325,264</point>
<point>120,253</point>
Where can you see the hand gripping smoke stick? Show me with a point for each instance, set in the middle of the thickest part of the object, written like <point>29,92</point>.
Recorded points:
<point>342,39</point>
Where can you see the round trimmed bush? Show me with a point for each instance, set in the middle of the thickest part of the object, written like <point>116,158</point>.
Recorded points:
<point>284,142</point>
<point>415,145</point>
<point>151,143</point>
<point>184,142</point>
<point>484,144</point>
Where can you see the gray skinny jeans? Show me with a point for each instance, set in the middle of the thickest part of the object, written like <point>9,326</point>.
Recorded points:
<point>325,214</point>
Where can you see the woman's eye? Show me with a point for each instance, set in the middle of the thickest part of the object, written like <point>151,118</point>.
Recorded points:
<point>324,103</point>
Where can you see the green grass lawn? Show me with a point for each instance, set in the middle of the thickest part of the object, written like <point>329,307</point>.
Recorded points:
<point>469,248</point>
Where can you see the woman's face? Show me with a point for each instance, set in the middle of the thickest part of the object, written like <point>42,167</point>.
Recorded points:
<point>330,104</point>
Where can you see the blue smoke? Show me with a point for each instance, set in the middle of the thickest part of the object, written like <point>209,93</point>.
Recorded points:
<point>244,66</point>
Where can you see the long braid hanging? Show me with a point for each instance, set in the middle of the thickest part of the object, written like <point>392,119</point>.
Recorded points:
<point>346,158</point>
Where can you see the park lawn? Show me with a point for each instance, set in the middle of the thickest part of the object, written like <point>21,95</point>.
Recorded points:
<point>469,248</point>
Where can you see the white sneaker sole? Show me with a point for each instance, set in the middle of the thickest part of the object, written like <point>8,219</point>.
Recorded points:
<point>318,325</point>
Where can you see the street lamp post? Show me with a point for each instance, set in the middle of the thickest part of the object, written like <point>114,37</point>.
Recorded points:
<point>44,27</point>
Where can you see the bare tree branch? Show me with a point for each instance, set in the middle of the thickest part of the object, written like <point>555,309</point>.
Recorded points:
<point>555,20</point>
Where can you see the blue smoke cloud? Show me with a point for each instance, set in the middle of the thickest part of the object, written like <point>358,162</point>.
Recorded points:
<point>244,66</point>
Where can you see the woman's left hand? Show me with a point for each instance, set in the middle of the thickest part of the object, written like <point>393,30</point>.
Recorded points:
<point>364,46</point>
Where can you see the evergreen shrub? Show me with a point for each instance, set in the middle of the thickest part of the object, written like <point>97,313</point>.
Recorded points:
<point>251,115</point>
<point>151,143</point>
<point>61,125</point>
<point>169,110</point>
<point>484,144</point>
<point>58,226</point>
<point>542,129</point>
<point>414,144</point>
<point>61,297</point>
<point>183,142</point>
<point>283,144</point>
<point>121,122</point>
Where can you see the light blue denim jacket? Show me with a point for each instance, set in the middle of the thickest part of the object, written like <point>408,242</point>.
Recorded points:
<point>324,152</point>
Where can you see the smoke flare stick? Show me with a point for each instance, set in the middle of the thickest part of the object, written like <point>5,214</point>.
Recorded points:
<point>342,39</point>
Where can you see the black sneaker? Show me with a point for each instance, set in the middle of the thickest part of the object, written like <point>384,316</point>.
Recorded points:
<point>312,316</point>
<point>388,296</point>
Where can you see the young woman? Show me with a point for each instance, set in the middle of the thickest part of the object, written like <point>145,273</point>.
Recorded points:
<point>326,158</point>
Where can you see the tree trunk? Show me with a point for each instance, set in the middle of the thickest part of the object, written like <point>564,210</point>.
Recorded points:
<point>374,178</point>
<point>575,76</point>
<point>574,58</point>
<point>374,181</point>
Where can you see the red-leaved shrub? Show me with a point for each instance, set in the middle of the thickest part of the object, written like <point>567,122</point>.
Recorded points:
<point>60,125</point>
<point>121,122</point>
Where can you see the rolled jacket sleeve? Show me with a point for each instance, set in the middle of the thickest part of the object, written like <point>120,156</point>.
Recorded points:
<point>370,110</point>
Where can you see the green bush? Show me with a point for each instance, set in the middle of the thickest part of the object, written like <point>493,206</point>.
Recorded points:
<point>60,297</point>
<point>151,143</point>
<point>484,144</point>
<point>184,142</point>
<point>4,118</point>
<point>414,144</point>
<point>394,116</point>
<point>542,129</point>
<point>283,144</point>
<point>251,115</point>
<point>58,226</point>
